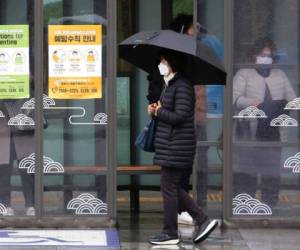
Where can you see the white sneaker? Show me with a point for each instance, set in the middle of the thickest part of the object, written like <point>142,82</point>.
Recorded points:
<point>9,212</point>
<point>185,218</point>
<point>30,211</point>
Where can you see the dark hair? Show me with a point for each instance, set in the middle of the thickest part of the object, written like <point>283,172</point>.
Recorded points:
<point>261,43</point>
<point>176,60</point>
<point>181,23</point>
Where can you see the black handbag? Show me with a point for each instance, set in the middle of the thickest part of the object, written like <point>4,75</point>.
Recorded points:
<point>145,139</point>
<point>272,109</point>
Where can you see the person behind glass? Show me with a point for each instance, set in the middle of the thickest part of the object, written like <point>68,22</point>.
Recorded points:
<point>15,145</point>
<point>184,23</point>
<point>175,150</point>
<point>269,90</point>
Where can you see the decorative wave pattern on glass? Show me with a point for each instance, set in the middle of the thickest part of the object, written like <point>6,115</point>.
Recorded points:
<point>1,114</point>
<point>244,204</point>
<point>21,120</point>
<point>3,209</point>
<point>251,112</point>
<point>87,204</point>
<point>293,163</point>
<point>49,104</point>
<point>293,105</point>
<point>284,121</point>
<point>49,167</point>
<point>101,118</point>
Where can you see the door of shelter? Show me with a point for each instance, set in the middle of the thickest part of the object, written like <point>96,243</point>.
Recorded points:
<point>57,73</point>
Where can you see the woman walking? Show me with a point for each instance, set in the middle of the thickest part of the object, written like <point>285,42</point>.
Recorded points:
<point>175,146</point>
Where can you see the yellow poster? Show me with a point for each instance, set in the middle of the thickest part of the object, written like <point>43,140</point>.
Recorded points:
<point>75,61</point>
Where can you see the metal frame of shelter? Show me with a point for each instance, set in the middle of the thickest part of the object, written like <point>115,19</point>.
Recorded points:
<point>41,219</point>
<point>70,221</point>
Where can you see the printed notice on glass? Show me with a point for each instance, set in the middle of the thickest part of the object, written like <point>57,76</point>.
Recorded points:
<point>14,61</point>
<point>75,61</point>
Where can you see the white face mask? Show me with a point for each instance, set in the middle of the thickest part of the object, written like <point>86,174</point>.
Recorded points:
<point>264,60</point>
<point>163,69</point>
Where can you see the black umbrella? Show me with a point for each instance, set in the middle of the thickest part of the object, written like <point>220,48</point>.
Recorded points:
<point>203,65</point>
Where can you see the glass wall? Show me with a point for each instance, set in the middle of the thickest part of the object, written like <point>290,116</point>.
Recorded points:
<point>265,129</point>
<point>75,135</point>
<point>265,118</point>
<point>75,140</point>
<point>16,121</point>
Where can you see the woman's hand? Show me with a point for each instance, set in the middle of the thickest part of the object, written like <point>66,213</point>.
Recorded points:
<point>151,108</point>
<point>158,106</point>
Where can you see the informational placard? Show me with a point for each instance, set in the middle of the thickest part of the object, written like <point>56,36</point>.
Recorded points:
<point>215,100</point>
<point>75,61</point>
<point>14,61</point>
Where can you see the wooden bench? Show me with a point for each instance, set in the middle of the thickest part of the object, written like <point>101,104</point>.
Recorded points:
<point>134,186</point>
<point>134,171</point>
<point>100,171</point>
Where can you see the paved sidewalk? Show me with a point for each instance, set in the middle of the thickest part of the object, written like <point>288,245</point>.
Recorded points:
<point>134,236</point>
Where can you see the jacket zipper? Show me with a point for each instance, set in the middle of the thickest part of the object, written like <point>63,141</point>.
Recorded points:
<point>163,94</point>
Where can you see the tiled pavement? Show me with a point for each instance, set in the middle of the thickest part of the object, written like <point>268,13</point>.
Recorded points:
<point>134,236</point>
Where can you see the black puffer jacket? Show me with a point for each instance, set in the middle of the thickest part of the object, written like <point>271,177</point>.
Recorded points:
<point>175,135</point>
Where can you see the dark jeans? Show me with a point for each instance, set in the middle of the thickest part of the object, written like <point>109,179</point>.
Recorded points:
<point>176,199</point>
<point>5,186</point>
<point>185,182</point>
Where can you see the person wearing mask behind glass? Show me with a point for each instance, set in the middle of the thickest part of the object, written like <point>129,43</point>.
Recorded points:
<point>15,145</point>
<point>268,89</point>
<point>209,100</point>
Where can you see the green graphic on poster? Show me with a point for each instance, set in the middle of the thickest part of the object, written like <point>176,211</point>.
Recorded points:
<point>14,61</point>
